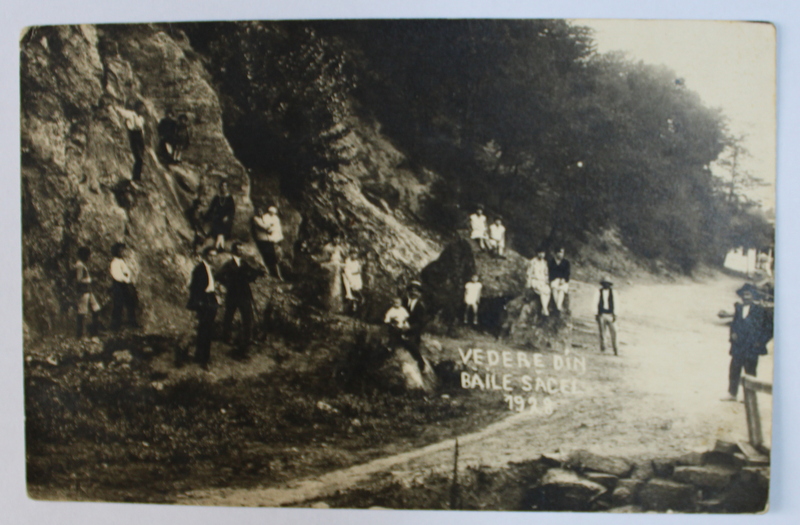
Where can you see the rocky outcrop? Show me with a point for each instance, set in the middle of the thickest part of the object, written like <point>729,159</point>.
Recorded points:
<point>77,162</point>
<point>77,165</point>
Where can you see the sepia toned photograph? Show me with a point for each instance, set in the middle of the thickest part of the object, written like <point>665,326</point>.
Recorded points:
<point>508,264</point>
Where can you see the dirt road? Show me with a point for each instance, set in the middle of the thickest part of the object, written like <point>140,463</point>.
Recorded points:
<point>661,396</point>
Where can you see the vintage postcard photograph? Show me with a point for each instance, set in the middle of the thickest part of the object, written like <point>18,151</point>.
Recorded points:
<point>517,265</point>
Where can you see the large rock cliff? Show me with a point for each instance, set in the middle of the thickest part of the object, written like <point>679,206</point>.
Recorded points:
<point>77,166</point>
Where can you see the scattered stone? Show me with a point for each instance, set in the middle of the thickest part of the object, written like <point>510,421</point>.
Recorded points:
<point>585,460</point>
<point>726,447</point>
<point>663,468</point>
<point>626,509</point>
<point>554,459</point>
<point>690,459</point>
<point>320,505</point>
<point>752,456</point>
<point>643,471</point>
<point>325,407</point>
<point>625,492</point>
<point>123,356</point>
<point>708,476</point>
<point>609,481</point>
<point>722,458</point>
<point>562,489</point>
<point>52,360</point>
<point>661,495</point>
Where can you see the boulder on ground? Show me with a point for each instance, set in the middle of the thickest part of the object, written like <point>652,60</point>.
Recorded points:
<point>707,476</point>
<point>562,489</point>
<point>662,495</point>
<point>585,460</point>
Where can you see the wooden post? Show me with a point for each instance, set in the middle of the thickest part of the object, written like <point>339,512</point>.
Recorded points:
<point>751,387</point>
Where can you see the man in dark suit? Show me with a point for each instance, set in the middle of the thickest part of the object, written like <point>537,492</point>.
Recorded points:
<point>751,330</point>
<point>236,275</point>
<point>417,318</point>
<point>203,301</point>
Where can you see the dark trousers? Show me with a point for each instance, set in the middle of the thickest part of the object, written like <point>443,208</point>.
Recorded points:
<point>93,326</point>
<point>205,331</point>
<point>245,309</point>
<point>737,363</point>
<point>137,148</point>
<point>123,296</point>
<point>272,255</point>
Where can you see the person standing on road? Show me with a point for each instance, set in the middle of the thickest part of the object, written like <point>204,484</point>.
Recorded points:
<point>751,330</point>
<point>559,278</point>
<point>607,301</point>
<point>538,280</point>
<point>203,301</point>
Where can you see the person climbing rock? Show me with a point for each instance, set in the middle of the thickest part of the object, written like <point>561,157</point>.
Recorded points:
<point>134,123</point>
<point>220,213</point>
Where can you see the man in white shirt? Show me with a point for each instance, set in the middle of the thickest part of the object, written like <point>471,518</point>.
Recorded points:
<point>477,223</point>
<point>472,298</point>
<point>123,293</point>
<point>268,233</point>
<point>538,280</point>
<point>497,238</point>
<point>352,281</point>
<point>606,301</point>
<point>134,123</point>
<point>203,301</point>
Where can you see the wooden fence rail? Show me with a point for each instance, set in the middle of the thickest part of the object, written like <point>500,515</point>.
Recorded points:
<point>751,387</point>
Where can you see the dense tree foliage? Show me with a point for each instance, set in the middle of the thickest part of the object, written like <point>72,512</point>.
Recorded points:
<point>523,117</point>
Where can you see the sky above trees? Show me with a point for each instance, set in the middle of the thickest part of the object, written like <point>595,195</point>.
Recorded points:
<point>731,65</point>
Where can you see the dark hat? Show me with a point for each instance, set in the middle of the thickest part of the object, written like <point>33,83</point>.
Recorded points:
<point>749,287</point>
<point>415,285</point>
<point>605,280</point>
<point>117,248</point>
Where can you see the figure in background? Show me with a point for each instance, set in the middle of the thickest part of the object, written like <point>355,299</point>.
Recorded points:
<point>559,271</point>
<point>220,213</point>
<point>396,319</point>
<point>477,224</point>
<point>203,301</point>
<point>236,275</point>
<point>606,300</point>
<point>417,318</point>
<point>123,292</point>
<point>332,261</point>
<point>751,330</point>
<point>134,123</point>
<point>538,280</point>
<point>167,131</point>
<point>352,281</point>
<point>472,298</point>
<point>182,137</point>
<point>497,238</point>
<point>268,233</point>
<point>87,302</point>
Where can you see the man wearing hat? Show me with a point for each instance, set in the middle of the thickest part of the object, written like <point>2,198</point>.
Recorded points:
<point>416,321</point>
<point>203,301</point>
<point>607,303</point>
<point>751,330</point>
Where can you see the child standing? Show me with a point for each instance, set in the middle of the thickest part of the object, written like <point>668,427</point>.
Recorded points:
<point>472,298</point>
